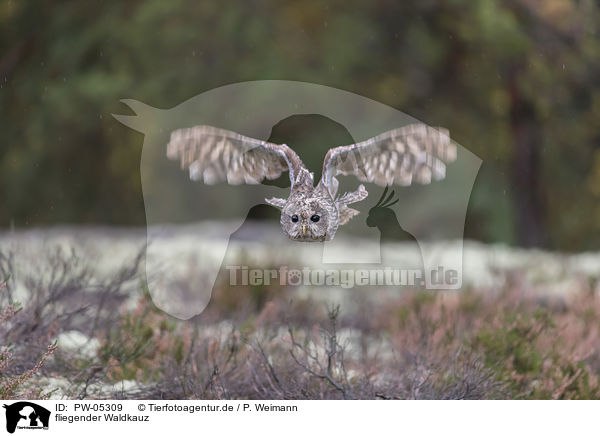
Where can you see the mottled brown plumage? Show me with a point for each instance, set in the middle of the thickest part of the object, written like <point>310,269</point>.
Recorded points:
<point>313,213</point>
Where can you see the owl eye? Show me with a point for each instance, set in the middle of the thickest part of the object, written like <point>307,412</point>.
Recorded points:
<point>315,218</point>
<point>294,218</point>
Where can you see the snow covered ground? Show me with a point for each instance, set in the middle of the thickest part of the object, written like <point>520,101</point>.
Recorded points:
<point>194,247</point>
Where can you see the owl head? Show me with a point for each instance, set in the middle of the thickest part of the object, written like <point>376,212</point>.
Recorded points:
<point>304,218</point>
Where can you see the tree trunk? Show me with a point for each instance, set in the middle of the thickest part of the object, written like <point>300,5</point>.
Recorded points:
<point>526,171</point>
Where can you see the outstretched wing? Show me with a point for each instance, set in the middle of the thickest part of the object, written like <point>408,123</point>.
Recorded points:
<point>413,153</point>
<point>217,155</point>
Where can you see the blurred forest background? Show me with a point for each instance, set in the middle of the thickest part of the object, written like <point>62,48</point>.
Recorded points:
<point>517,82</point>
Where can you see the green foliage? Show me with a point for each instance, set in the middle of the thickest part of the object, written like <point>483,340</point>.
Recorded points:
<point>524,353</point>
<point>510,346</point>
<point>486,69</point>
<point>129,350</point>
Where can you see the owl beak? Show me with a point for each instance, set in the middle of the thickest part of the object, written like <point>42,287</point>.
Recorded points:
<point>303,229</point>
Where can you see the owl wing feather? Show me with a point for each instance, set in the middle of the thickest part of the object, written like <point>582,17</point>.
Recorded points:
<point>415,152</point>
<point>217,155</point>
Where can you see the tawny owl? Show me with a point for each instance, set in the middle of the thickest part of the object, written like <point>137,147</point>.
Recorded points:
<point>415,152</point>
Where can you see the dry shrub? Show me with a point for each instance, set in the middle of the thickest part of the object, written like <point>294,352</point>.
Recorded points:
<point>63,294</point>
<point>15,385</point>
<point>271,342</point>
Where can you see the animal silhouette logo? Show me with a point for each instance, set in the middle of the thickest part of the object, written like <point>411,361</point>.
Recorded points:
<point>26,415</point>
<point>383,217</point>
<point>190,225</point>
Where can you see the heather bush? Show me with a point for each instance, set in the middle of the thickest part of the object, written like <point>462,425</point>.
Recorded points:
<point>14,383</point>
<point>275,342</point>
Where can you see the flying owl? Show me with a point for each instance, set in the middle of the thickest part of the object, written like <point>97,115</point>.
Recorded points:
<point>415,152</point>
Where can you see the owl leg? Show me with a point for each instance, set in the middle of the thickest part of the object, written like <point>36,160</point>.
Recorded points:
<point>348,198</point>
